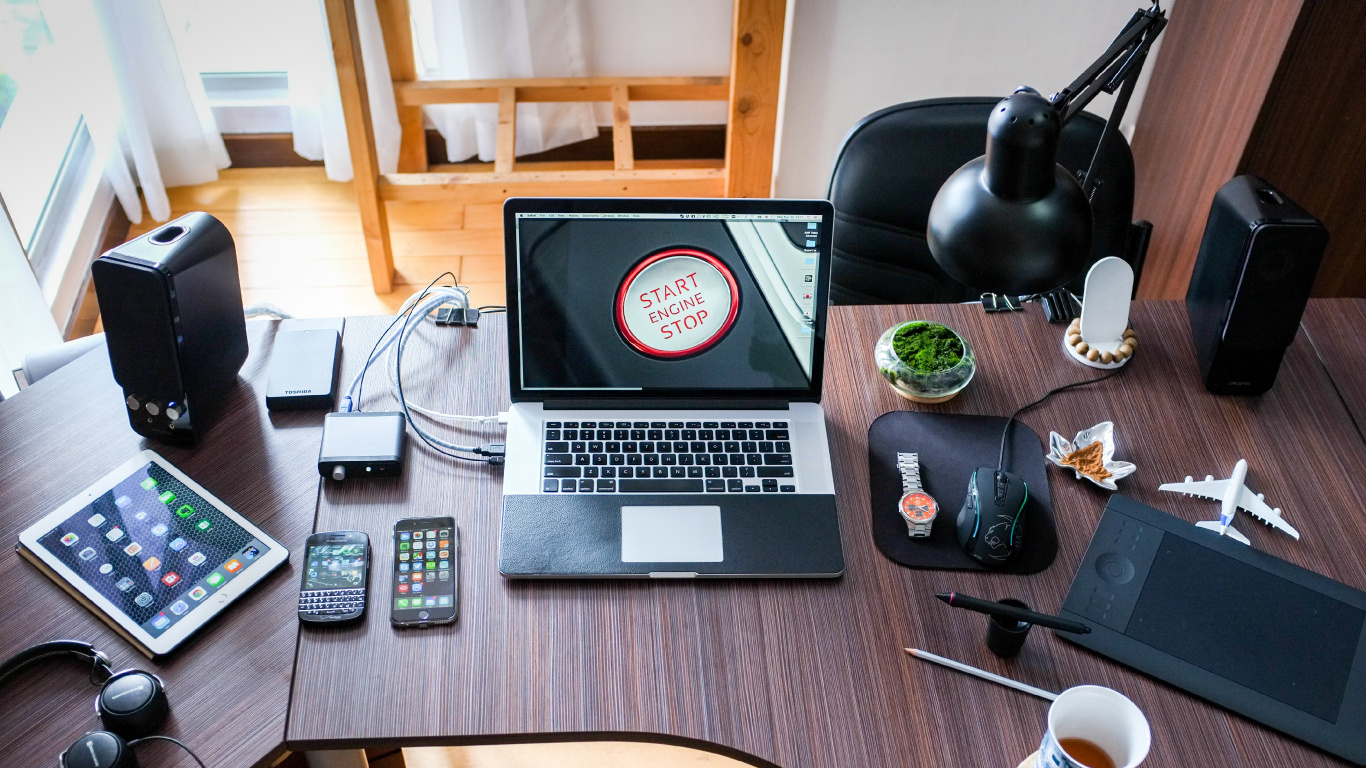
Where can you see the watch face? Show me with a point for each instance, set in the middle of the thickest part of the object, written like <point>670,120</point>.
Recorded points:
<point>919,507</point>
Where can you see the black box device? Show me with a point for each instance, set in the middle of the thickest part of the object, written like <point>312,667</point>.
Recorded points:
<point>303,365</point>
<point>362,444</point>
<point>1267,639</point>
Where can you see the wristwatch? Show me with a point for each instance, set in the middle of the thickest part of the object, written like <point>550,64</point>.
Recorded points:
<point>917,507</point>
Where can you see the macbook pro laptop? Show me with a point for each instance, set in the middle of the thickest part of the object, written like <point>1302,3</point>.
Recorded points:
<point>666,360</point>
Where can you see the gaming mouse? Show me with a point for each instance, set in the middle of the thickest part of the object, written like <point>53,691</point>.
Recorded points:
<point>991,522</point>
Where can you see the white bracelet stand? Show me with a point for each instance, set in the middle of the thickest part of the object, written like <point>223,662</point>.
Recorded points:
<point>1104,313</point>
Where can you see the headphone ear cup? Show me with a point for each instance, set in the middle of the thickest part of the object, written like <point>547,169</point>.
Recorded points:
<point>132,704</point>
<point>99,749</point>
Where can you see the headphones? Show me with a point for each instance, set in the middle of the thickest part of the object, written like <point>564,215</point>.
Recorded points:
<point>131,704</point>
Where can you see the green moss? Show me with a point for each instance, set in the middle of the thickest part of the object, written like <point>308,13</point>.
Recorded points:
<point>927,347</point>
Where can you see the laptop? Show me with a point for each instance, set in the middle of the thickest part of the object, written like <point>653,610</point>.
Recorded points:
<point>666,361</point>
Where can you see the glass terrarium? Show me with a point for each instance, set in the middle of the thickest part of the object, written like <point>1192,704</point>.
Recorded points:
<point>924,361</point>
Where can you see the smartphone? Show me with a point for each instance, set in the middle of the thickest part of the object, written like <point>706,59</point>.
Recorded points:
<point>336,572</point>
<point>426,559</point>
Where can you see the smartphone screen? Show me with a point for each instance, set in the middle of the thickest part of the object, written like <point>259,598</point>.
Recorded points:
<point>334,577</point>
<point>425,551</point>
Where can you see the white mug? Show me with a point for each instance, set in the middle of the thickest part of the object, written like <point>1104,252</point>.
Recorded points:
<point>1103,717</point>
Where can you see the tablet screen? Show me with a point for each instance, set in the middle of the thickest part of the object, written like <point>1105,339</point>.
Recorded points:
<point>153,547</point>
<point>1249,626</point>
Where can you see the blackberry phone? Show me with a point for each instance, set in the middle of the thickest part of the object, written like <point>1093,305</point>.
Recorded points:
<point>336,569</point>
<point>425,560</point>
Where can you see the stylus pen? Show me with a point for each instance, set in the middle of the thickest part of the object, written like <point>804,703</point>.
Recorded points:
<point>958,600</point>
<point>982,673</point>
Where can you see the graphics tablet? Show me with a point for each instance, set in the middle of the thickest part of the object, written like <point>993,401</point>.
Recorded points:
<point>1245,630</point>
<point>151,552</point>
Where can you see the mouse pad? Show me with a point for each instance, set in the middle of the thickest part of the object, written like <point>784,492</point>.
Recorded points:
<point>951,446</point>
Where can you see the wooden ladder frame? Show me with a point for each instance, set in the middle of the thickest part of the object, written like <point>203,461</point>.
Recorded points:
<point>747,170</point>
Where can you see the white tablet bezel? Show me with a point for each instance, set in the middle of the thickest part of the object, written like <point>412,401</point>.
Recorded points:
<point>267,561</point>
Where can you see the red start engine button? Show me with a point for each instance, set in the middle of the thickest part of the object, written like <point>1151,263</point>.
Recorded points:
<point>676,303</point>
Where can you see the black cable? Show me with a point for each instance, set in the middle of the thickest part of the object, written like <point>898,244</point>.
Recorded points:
<point>177,742</point>
<point>398,380</point>
<point>360,387</point>
<point>1001,459</point>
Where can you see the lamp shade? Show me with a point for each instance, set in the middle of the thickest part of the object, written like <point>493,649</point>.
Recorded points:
<point>1013,221</point>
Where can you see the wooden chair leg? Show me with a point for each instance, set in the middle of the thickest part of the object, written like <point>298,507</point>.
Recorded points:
<point>756,66</point>
<point>360,135</point>
<point>396,25</point>
<point>505,153</point>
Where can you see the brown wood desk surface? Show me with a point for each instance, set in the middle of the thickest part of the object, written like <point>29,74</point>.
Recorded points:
<point>228,685</point>
<point>811,673</point>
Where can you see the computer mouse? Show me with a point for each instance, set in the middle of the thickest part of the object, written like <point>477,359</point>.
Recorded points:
<point>991,522</point>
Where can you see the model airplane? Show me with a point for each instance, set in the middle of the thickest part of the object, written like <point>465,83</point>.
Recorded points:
<point>1234,496</point>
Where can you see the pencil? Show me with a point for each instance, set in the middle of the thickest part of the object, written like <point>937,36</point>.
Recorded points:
<point>990,608</point>
<point>982,673</point>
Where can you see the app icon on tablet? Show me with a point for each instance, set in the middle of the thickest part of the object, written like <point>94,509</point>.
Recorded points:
<point>178,544</point>
<point>179,607</point>
<point>72,538</point>
<point>166,497</point>
<point>159,529</point>
<point>114,534</point>
<point>122,502</point>
<point>106,569</point>
<point>170,579</point>
<point>132,549</point>
<point>162,621</point>
<point>143,599</point>
<point>250,553</point>
<point>198,593</point>
<point>124,584</point>
<point>87,554</point>
<point>96,520</point>
<point>151,563</point>
<point>204,524</point>
<point>149,483</point>
<point>140,515</point>
<point>197,558</point>
<point>233,566</point>
<point>185,510</point>
<point>215,579</point>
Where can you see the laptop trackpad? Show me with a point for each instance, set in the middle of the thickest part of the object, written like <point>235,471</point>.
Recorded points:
<point>671,534</point>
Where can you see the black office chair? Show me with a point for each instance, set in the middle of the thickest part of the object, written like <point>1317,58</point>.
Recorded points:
<point>892,164</point>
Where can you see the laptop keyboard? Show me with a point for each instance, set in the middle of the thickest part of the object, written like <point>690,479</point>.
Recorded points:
<point>668,457</point>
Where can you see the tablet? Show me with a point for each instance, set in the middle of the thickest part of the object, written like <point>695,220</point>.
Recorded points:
<point>1266,638</point>
<point>151,552</point>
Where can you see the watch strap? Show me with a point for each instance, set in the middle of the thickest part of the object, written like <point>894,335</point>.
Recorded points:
<point>909,465</point>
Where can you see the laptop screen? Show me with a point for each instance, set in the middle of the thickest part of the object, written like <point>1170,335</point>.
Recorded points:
<point>633,297</point>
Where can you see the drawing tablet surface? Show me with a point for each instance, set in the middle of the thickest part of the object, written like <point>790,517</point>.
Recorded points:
<point>151,552</point>
<point>1265,638</point>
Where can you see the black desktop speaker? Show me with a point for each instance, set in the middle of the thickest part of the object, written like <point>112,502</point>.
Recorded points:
<point>1252,279</point>
<point>171,305</point>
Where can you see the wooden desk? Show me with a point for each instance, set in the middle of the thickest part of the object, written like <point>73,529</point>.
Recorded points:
<point>229,685</point>
<point>812,673</point>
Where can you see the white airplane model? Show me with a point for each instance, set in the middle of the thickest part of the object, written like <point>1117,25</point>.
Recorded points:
<point>1234,496</point>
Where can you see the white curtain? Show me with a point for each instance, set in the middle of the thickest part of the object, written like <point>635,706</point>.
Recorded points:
<point>455,40</point>
<point>315,101</point>
<point>148,115</point>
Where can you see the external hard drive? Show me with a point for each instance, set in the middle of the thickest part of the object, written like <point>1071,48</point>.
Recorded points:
<point>303,366</point>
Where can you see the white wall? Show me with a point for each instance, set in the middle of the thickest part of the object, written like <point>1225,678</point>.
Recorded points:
<point>653,38</point>
<point>853,57</point>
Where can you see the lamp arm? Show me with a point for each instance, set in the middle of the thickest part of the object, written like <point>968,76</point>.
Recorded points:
<point>1116,69</point>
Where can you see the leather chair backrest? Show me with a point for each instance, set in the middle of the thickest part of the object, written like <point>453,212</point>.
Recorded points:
<point>892,164</point>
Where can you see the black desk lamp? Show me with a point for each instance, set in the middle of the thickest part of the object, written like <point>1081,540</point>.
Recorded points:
<point>1014,221</point>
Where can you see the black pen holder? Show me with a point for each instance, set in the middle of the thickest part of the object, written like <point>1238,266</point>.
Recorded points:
<point>1006,636</point>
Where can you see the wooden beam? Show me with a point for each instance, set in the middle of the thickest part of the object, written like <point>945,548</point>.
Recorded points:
<point>623,155</point>
<point>574,89</point>
<point>360,135</point>
<point>756,65</point>
<point>496,187</point>
<point>505,154</point>
<point>396,24</point>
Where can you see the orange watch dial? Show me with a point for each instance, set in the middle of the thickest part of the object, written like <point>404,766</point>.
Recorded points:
<point>919,507</point>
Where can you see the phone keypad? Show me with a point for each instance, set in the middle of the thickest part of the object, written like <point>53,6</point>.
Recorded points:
<point>331,602</point>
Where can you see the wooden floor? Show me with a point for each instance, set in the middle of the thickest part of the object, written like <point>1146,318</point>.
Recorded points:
<point>299,246</point>
<point>299,242</point>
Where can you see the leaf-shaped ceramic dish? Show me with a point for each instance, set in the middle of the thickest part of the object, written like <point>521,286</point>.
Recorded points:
<point>1104,433</point>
